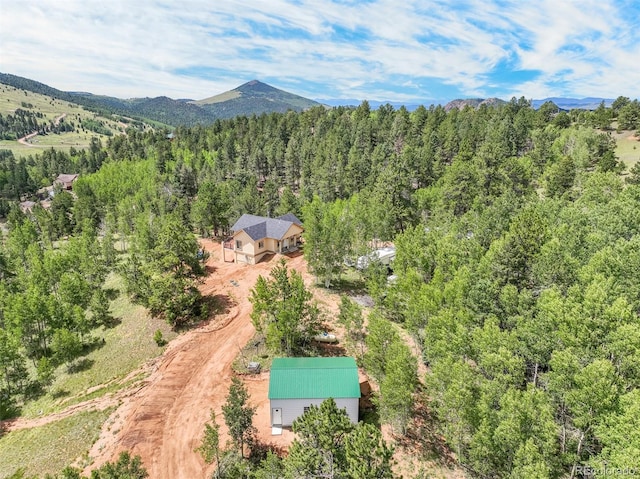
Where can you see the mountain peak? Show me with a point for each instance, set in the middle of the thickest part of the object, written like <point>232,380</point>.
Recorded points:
<point>256,87</point>
<point>254,98</point>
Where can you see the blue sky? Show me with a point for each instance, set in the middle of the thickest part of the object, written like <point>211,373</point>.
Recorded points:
<point>410,50</point>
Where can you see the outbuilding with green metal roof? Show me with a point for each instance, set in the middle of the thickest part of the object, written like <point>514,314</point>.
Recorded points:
<point>296,383</point>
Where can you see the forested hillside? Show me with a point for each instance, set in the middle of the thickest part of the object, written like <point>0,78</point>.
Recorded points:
<point>518,252</point>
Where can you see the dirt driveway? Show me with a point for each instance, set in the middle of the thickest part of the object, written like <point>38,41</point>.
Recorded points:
<point>163,422</point>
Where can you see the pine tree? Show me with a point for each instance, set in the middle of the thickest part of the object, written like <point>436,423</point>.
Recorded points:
<point>238,415</point>
<point>367,455</point>
<point>318,450</point>
<point>210,446</point>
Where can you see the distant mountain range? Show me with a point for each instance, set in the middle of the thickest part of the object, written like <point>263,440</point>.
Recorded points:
<point>251,98</point>
<point>562,103</point>
<point>574,103</point>
<point>374,104</point>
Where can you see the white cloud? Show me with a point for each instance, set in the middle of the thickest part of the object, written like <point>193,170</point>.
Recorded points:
<point>126,48</point>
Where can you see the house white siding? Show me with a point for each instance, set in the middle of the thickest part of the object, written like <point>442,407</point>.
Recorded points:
<point>292,408</point>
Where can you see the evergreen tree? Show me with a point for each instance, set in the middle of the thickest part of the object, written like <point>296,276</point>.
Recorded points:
<point>319,447</point>
<point>238,415</point>
<point>397,386</point>
<point>367,455</point>
<point>210,446</point>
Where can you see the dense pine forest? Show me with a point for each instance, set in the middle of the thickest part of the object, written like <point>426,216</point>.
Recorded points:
<point>518,252</point>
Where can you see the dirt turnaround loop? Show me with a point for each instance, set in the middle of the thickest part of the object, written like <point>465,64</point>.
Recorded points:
<point>163,422</point>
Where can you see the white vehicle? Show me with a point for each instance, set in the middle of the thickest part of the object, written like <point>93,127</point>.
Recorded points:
<point>383,255</point>
<point>325,338</point>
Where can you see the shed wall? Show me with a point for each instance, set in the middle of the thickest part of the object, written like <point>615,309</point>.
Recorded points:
<point>292,408</point>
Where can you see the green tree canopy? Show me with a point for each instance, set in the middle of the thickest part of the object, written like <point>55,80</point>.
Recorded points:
<point>283,310</point>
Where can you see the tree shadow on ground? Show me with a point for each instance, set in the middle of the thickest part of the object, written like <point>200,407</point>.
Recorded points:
<point>328,349</point>
<point>59,393</point>
<point>210,307</point>
<point>80,365</point>
<point>112,293</point>
<point>34,390</point>
<point>209,269</point>
<point>422,437</point>
<point>219,304</point>
<point>8,411</point>
<point>112,322</point>
<point>260,449</point>
<point>346,284</point>
<point>92,345</point>
<point>370,416</point>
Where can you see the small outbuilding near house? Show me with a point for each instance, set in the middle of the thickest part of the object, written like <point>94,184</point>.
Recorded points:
<point>296,383</point>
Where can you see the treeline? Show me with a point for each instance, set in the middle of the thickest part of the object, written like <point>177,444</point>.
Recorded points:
<point>627,113</point>
<point>50,301</point>
<point>333,153</point>
<point>90,102</point>
<point>21,123</point>
<point>161,109</point>
<point>21,178</point>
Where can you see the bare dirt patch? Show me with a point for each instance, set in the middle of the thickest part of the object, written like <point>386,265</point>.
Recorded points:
<point>164,420</point>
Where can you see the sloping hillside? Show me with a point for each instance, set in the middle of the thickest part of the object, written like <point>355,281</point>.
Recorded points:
<point>31,122</point>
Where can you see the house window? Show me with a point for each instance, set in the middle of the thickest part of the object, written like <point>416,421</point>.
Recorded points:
<point>260,244</point>
<point>239,245</point>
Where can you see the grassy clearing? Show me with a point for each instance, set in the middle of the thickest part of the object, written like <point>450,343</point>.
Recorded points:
<point>49,448</point>
<point>254,351</point>
<point>12,99</point>
<point>351,281</point>
<point>628,151</point>
<point>627,147</point>
<point>59,142</point>
<point>126,347</point>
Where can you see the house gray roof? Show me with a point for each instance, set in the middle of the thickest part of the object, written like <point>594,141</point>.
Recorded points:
<point>258,227</point>
<point>290,217</point>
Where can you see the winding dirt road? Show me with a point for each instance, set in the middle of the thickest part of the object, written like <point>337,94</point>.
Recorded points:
<point>163,422</point>
<point>23,140</point>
